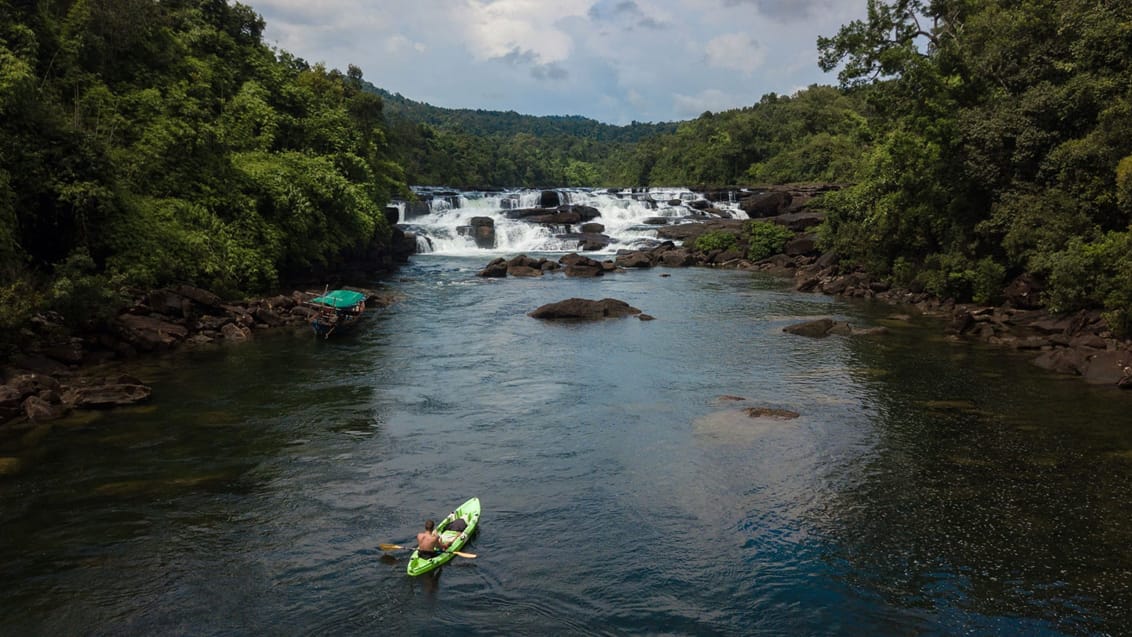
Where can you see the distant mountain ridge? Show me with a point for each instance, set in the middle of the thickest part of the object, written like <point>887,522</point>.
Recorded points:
<point>486,123</point>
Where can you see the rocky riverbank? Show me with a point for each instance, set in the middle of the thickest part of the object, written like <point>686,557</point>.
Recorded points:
<point>1079,344</point>
<point>55,372</point>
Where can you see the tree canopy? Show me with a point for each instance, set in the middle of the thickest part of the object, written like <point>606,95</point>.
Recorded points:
<point>1006,148</point>
<point>143,143</point>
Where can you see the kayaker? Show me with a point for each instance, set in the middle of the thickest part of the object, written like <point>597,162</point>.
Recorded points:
<point>429,542</point>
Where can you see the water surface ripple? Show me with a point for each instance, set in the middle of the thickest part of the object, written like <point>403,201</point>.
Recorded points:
<point>927,487</point>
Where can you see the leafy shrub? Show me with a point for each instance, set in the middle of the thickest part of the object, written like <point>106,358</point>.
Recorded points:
<point>1092,274</point>
<point>988,281</point>
<point>19,299</point>
<point>80,294</point>
<point>904,273</point>
<point>1124,185</point>
<point>716,240</point>
<point>954,276</point>
<point>766,239</point>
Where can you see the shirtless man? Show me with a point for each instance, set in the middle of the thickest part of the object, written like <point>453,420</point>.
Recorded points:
<point>429,543</point>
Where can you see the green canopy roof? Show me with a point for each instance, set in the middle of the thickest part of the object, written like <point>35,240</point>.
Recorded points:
<point>340,299</point>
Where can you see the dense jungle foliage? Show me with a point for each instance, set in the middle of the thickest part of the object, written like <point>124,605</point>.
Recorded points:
<point>1005,148</point>
<point>145,142</point>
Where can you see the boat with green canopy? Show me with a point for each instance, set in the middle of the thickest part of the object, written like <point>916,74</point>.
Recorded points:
<point>466,517</point>
<point>335,309</point>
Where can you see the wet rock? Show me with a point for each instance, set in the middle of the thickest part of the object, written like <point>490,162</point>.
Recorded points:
<point>584,271</point>
<point>68,353</point>
<point>213,323</point>
<point>38,363</point>
<point>588,242</point>
<point>11,402</point>
<point>28,384</point>
<point>633,260</point>
<point>268,316</point>
<point>576,265</point>
<point>768,412</point>
<point>677,258</point>
<point>523,260</point>
<point>483,232</point>
<point>815,329</point>
<point>766,204</point>
<point>168,303</point>
<point>235,333</point>
<point>414,209</point>
<point>281,303</point>
<point>1093,341</point>
<point>199,339</point>
<point>1062,361</point>
<point>524,271</point>
<point>149,333</point>
<point>108,395</point>
<point>496,269</point>
<point>39,410</point>
<point>584,309</point>
<point>1107,368</point>
<point>550,199</point>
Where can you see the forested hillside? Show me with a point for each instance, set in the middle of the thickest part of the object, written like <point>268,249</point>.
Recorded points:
<point>464,147</point>
<point>816,135</point>
<point>1005,149</point>
<point>989,143</point>
<point>149,142</point>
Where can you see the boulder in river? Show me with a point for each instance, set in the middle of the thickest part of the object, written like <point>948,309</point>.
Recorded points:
<point>585,309</point>
<point>106,395</point>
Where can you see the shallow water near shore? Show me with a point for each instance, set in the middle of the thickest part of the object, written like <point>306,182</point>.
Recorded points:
<point>926,487</point>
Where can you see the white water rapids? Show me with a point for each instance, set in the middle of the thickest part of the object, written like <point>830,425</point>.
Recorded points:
<point>630,218</point>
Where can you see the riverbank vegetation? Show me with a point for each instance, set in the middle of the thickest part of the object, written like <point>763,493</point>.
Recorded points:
<point>1005,150</point>
<point>988,144</point>
<point>145,143</point>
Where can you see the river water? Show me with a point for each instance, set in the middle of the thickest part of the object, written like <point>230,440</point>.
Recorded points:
<point>928,486</point>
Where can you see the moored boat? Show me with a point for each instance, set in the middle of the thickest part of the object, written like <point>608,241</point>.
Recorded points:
<point>336,309</point>
<point>469,513</point>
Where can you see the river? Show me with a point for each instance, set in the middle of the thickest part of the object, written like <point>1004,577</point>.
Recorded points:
<point>928,486</point>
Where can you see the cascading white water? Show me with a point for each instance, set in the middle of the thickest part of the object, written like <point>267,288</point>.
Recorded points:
<point>630,218</point>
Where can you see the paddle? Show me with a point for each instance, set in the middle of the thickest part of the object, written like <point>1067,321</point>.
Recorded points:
<point>396,547</point>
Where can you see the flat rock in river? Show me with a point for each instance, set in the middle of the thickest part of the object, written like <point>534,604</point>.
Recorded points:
<point>584,309</point>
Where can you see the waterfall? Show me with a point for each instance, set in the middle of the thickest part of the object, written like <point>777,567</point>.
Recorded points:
<point>444,220</point>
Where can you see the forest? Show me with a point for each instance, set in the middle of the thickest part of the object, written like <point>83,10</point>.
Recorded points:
<point>143,143</point>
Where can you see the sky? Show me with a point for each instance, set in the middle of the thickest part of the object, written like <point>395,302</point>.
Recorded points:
<point>615,61</point>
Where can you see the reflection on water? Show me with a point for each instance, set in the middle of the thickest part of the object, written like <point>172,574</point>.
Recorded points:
<point>925,486</point>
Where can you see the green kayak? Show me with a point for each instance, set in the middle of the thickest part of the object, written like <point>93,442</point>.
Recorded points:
<point>470,513</point>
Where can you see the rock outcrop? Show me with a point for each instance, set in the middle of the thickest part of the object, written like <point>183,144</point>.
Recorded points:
<point>47,378</point>
<point>585,309</point>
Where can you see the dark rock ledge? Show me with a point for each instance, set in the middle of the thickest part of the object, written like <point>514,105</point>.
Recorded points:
<point>54,372</point>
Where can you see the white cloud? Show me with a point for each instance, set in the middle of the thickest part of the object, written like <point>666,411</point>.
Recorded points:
<point>397,44</point>
<point>712,99</point>
<point>612,60</point>
<point>735,51</point>
<point>528,27</point>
